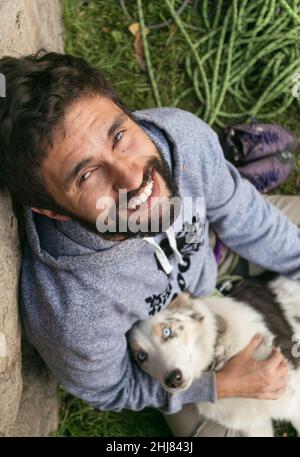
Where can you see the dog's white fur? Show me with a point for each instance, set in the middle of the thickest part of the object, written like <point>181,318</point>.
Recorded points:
<point>200,340</point>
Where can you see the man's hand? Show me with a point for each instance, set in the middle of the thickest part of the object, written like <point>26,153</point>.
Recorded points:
<point>243,376</point>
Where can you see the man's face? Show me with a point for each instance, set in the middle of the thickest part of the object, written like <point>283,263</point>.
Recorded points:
<point>103,151</point>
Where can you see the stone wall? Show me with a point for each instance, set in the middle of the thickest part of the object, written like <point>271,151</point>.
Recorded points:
<point>28,404</point>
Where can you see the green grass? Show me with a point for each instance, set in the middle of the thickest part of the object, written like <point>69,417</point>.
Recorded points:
<point>99,33</point>
<point>79,419</point>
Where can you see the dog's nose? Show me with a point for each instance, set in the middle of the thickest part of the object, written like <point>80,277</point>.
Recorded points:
<point>174,379</point>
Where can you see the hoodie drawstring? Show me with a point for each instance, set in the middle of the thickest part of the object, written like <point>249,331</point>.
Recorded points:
<point>173,244</point>
<point>161,256</point>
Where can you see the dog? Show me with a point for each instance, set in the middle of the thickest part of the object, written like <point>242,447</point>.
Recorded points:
<point>192,335</point>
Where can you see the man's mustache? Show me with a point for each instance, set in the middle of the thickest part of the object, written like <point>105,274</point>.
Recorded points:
<point>134,193</point>
<point>152,164</point>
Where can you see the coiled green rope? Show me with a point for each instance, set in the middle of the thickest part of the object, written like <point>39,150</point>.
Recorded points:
<point>252,67</point>
<point>243,63</point>
<point>147,54</point>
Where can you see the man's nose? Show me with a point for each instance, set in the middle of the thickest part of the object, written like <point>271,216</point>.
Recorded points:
<point>126,175</point>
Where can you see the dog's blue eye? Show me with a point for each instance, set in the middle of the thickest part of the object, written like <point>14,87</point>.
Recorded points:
<point>167,332</point>
<point>141,356</point>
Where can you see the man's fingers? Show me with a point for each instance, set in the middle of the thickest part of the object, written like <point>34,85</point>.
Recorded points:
<point>253,344</point>
<point>283,368</point>
<point>283,381</point>
<point>275,360</point>
<point>278,392</point>
<point>280,382</point>
<point>273,395</point>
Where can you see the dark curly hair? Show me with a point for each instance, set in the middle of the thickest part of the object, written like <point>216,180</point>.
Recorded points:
<point>39,88</point>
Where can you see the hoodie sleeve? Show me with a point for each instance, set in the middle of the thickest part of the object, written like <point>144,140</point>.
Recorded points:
<point>245,221</point>
<point>110,381</point>
<point>81,339</point>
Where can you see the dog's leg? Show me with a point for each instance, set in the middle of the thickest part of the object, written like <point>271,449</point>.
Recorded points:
<point>261,429</point>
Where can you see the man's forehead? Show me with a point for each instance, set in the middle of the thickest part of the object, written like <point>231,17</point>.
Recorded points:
<point>90,109</point>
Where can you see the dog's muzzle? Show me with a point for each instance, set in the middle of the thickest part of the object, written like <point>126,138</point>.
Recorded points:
<point>174,379</point>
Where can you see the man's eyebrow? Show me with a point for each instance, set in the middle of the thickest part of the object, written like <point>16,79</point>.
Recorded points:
<point>117,122</point>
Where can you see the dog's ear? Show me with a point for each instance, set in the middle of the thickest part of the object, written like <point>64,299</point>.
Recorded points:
<point>185,304</point>
<point>182,300</point>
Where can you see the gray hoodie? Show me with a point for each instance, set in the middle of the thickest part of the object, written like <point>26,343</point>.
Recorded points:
<point>80,294</point>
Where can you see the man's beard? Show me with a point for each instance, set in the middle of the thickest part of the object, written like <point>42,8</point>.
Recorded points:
<point>161,166</point>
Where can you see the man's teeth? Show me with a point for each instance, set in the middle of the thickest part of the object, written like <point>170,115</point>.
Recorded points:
<point>144,195</point>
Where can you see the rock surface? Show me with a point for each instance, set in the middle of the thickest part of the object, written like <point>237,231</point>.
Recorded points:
<point>28,404</point>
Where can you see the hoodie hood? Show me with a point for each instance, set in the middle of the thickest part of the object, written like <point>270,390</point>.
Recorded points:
<point>69,245</point>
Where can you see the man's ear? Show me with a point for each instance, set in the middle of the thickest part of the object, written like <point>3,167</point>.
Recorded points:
<point>51,214</point>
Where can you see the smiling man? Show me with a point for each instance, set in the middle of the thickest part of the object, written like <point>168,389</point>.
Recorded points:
<point>103,151</point>
<point>67,142</point>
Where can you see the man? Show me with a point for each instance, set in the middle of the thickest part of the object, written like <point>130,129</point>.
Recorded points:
<point>68,144</point>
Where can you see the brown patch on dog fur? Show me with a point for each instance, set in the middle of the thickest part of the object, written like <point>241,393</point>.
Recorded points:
<point>171,319</point>
<point>180,302</point>
<point>257,294</point>
<point>197,317</point>
<point>221,324</point>
<point>184,302</point>
<point>134,346</point>
<point>157,329</point>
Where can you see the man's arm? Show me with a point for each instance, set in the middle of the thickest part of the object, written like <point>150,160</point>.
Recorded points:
<point>111,381</point>
<point>87,351</point>
<point>245,221</point>
<point>96,366</point>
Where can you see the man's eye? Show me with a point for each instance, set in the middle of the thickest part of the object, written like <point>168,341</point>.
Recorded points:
<point>119,136</point>
<point>84,177</point>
